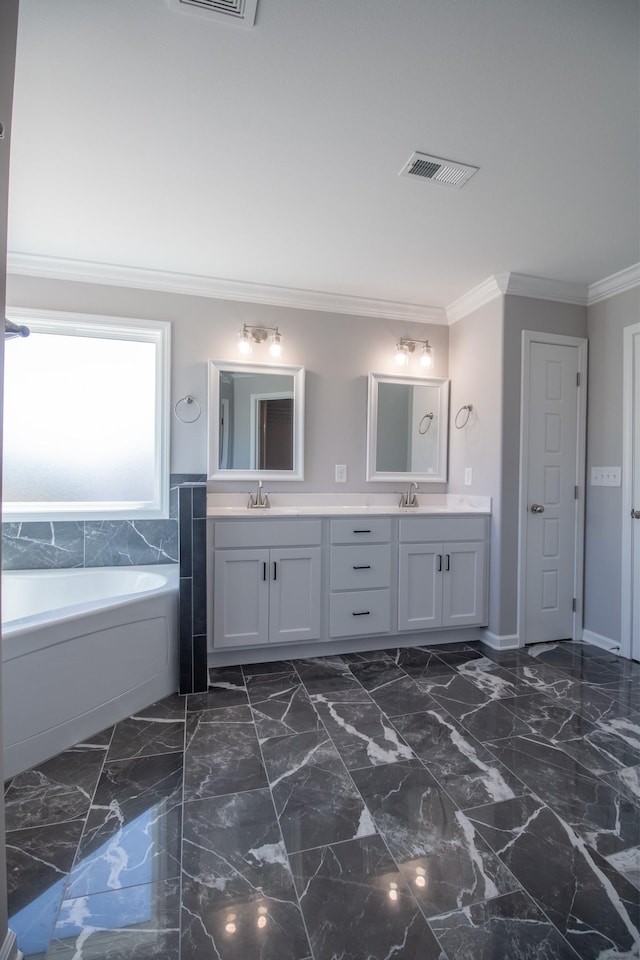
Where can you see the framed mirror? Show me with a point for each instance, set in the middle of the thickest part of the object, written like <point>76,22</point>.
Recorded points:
<point>256,421</point>
<point>407,428</point>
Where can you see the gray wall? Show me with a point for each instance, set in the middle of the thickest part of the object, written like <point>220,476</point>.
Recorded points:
<point>482,356</point>
<point>485,369</point>
<point>337,351</point>
<point>603,534</point>
<point>8,33</point>
<point>475,367</point>
<point>543,316</point>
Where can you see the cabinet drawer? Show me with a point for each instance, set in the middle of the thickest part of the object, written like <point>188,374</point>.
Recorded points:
<point>360,612</point>
<point>267,533</point>
<point>425,529</point>
<point>360,567</point>
<point>360,530</point>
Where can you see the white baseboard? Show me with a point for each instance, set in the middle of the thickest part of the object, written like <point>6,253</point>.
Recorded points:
<point>506,642</point>
<point>9,949</point>
<point>597,640</point>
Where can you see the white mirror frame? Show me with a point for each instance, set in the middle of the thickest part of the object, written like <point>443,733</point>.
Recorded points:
<point>216,368</point>
<point>442,424</point>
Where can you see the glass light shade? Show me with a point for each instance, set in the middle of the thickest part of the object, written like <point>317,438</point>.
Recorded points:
<point>426,359</point>
<point>402,354</point>
<point>275,347</point>
<point>244,344</point>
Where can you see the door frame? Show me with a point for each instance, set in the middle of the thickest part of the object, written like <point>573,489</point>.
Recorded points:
<point>581,343</point>
<point>627,486</point>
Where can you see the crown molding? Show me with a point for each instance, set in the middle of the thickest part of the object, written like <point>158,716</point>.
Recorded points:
<point>516,285</point>
<point>616,283</point>
<point>541,288</point>
<point>80,271</point>
<point>486,291</point>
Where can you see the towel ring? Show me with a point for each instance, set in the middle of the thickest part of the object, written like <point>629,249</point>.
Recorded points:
<point>429,418</point>
<point>468,407</point>
<point>187,409</point>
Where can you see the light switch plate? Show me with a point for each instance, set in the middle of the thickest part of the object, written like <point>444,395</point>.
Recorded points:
<point>341,473</point>
<point>468,476</point>
<point>605,476</point>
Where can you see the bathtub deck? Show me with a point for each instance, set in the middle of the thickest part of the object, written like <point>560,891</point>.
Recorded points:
<point>441,799</point>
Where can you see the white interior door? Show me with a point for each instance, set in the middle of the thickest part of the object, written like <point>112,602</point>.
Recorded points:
<point>552,488</point>
<point>630,645</point>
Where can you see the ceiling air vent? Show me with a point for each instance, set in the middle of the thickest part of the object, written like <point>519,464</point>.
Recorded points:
<point>241,13</point>
<point>448,173</point>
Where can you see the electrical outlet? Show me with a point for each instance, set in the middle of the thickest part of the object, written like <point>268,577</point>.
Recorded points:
<point>605,476</point>
<point>468,476</point>
<point>341,473</point>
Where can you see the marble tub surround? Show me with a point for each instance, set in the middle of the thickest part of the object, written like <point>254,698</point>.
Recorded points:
<point>42,545</point>
<point>303,810</point>
<point>336,504</point>
<point>38,545</point>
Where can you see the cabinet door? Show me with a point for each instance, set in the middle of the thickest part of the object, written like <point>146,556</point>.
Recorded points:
<point>420,586</point>
<point>240,598</point>
<point>463,584</point>
<point>294,604</point>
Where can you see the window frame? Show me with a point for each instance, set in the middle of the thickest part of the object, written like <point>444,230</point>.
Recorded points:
<point>88,325</point>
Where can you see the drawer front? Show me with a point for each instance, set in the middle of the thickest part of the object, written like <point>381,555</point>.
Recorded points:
<point>360,567</point>
<point>267,533</point>
<point>359,612</point>
<point>425,529</point>
<point>360,530</point>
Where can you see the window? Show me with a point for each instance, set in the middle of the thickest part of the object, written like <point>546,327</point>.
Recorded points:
<point>86,428</point>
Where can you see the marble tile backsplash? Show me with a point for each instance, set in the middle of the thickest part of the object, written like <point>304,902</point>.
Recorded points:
<point>37,545</point>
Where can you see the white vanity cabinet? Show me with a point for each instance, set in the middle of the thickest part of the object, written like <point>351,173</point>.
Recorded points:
<point>266,582</point>
<point>360,577</point>
<point>330,579</point>
<point>442,572</point>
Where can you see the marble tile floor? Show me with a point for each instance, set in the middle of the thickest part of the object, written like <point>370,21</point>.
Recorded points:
<point>421,803</point>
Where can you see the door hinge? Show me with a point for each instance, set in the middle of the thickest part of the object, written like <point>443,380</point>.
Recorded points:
<point>574,605</point>
<point>576,492</point>
<point>578,379</point>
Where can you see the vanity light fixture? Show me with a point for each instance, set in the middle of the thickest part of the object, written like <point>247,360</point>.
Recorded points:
<point>405,346</point>
<point>259,335</point>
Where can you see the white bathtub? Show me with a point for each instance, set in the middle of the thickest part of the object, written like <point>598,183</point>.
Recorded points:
<point>82,649</point>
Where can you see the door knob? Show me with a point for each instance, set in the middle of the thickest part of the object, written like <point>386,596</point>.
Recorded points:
<point>537,508</point>
<point>635,514</point>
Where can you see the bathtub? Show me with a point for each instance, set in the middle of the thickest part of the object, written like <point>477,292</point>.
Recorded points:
<point>82,649</point>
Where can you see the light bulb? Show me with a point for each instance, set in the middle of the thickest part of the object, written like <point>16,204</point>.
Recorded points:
<point>426,359</point>
<point>244,344</point>
<point>230,928</point>
<point>275,347</point>
<point>262,922</point>
<point>402,354</point>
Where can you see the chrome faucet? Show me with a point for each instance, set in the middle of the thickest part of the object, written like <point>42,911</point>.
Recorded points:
<point>409,498</point>
<point>261,500</point>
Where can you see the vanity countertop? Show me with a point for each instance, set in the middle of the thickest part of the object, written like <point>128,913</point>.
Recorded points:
<point>220,506</point>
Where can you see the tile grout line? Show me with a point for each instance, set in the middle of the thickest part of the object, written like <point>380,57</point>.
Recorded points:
<point>273,803</point>
<point>373,821</point>
<point>80,838</point>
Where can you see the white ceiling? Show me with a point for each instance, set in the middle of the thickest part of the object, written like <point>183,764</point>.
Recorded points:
<point>150,138</point>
